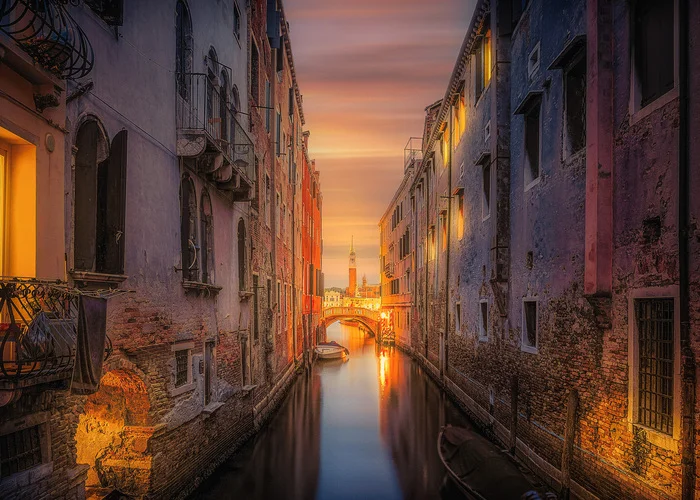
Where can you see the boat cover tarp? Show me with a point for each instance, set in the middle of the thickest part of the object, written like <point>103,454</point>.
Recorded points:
<point>481,466</point>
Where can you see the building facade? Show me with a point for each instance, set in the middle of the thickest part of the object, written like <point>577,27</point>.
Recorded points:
<point>147,163</point>
<point>554,256</point>
<point>396,261</point>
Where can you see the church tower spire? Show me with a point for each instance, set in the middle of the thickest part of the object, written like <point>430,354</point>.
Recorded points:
<point>352,270</point>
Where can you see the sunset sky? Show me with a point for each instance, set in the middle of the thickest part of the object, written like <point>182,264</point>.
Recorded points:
<point>367,69</point>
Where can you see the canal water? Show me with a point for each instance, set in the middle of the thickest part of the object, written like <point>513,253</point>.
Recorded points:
<point>362,429</point>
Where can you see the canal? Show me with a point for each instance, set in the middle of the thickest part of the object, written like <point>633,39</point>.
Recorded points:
<point>365,428</point>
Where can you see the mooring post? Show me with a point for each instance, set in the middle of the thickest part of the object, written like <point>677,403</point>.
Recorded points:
<point>568,451</point>
<point>513,413</point>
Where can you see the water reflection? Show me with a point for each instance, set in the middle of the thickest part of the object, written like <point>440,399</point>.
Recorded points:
<point>365,428</point>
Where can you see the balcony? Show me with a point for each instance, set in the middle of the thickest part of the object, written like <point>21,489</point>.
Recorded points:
<point>389,269</point>
<point>209,132</point>
<point>38,332</point>
<point>413,152</point>
<point>47,33</point>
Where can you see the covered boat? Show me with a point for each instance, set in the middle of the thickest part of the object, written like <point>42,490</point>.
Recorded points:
<point>331,350</point>
<point>480,470</point>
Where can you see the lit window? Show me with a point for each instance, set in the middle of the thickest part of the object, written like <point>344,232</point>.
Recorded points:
<point>460,214</point>
<point>655,337</point>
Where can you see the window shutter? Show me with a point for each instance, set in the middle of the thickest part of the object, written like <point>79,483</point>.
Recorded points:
<point>111,233</point>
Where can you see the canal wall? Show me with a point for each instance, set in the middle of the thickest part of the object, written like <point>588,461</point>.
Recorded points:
<point>494,430</point>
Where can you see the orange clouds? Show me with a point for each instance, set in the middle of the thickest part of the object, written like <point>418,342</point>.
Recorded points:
<point>367,69</point>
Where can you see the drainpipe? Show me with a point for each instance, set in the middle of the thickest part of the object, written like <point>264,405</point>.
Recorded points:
<point>687,356</point>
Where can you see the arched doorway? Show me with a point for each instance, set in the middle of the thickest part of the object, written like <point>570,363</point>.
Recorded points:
<point>113,433</point>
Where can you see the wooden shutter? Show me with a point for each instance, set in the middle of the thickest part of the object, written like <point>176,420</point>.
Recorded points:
<point>111,208</point>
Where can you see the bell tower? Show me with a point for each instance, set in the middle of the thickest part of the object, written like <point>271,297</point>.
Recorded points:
<point>352,271</point>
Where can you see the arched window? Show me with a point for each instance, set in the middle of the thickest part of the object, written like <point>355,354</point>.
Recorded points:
<point>235,99</point>
<point>100,195</point>
<point>223,104</point>
<point>241,256</point>
<point>213,121</point>
<point>188,229</point>
<point>207,246</point>
<point>183,48</point>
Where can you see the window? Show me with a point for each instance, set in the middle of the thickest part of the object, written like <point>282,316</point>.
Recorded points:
<point>443,230</point>
<point>432,248</point>
<point>188,230</point>
<point>224,106</point>
<point>236,21</point>
<point>278,216</point>
<point>100,195</point>
<point>21,450</point>
<point>460,214</point>
<point>654,54</point>
<point>268,200</point>
<point>529,325</point>
<point>533,61</point>
<point>207,228</point>
<point>486,189</point>
<point>183,48</point>
<point>241,256</point>
<point>255,74</point>
<point>278,133</point>
<point>268,105</point>
<point>291,102</point>
<point>575,107</point>
<point>655,337</point>
<point>482,62</point>
<point>532,144</point>
<point>181,367</point>
<point>458,317</point>
<point>483,319</point>
<point>487,131</point>
<point>256,308</point>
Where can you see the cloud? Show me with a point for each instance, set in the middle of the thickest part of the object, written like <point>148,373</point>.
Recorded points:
<point>367,69</point>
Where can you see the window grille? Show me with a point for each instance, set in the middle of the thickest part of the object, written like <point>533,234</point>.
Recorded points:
<point>20,451</point>
<point>181,358</point>
<point>655,336</point>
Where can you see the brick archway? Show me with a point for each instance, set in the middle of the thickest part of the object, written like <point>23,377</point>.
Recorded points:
<point>113,434</point>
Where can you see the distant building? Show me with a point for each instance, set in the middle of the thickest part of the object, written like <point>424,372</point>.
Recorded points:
<point>351,291</point>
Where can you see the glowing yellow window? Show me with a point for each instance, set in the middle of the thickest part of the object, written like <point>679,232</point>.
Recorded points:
<point>18,206</point>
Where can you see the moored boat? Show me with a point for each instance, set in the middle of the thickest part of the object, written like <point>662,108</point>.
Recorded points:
<point>331,350</point>
<point>480,470</point>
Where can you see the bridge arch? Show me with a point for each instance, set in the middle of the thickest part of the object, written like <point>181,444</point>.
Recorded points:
<point>367,317</point>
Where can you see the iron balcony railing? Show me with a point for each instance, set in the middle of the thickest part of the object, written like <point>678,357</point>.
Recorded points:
<point>412,152</point>
<point>203,108</point>
<point>38,330</point>
<point>49,35</point>
<point>389,269</point>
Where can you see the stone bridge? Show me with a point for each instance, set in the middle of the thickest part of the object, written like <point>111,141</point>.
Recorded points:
<point>368,317</point>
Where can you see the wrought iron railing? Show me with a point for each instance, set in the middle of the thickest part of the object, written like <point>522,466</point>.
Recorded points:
<point>38,328</point>
<point>202,107</point>
<point>49,35</point>
<point>412,152</point>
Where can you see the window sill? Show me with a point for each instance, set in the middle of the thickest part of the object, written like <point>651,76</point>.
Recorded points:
<point>657,438</point>
<point>245,295</point>
<point>212,407</point>
<point>92,278</point>
<point>182,389</point>
<point>655,105</point>
<point>529,349</point>
<point>196,286</point>
<point>532,184</point>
